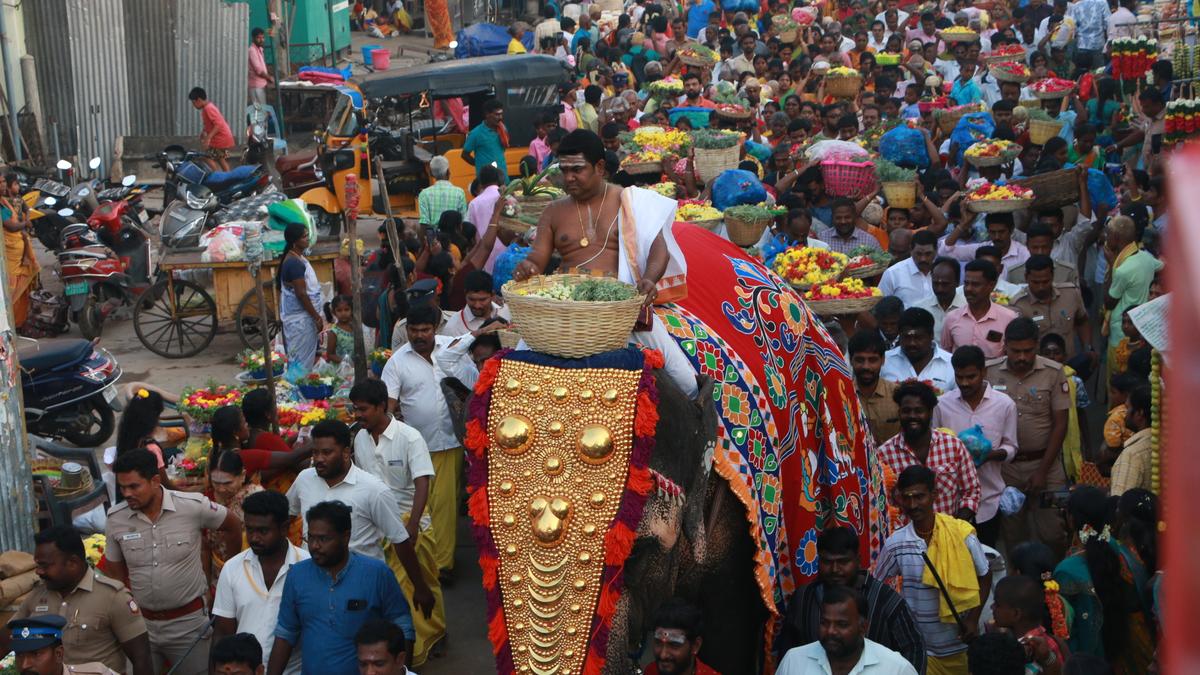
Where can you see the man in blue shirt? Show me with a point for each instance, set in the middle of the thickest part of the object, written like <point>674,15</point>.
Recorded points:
<point>327,599</point>
<point>486,142</point>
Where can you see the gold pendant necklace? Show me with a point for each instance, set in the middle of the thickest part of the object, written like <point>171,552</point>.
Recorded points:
<point>590,230</point>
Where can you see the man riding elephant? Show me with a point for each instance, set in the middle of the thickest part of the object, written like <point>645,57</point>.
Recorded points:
<point>756,443</point>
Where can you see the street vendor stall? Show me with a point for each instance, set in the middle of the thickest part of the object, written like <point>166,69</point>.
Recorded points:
<point>178,318</point>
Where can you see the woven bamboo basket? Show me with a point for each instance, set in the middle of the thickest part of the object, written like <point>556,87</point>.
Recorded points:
<point>999,205</point>
<point>709,225</point>
<point>637,168</point>
<point>1005,76</point>
<point>837,307</point>
<point>952,38</point>
<point>1052,190</point>
<point>988,161</point>
<point>1052,95</point>
<point>695,61</point>
<point>947,120</point>
<point>509,339</point>
<point>867,271</point>
<point>743,114</point>
<point>570,329</point>
<point>1029,103</point>
<point>746,232</point>
<point>902,194</point>
<point>843,87</point>
<point>991,59</point>
<point>1041,131</point>
<point>532,207</point>
<point>711,162</point>
<point>514,225</point>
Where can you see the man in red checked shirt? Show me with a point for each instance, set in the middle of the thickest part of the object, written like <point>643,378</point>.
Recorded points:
<point>919,443</point>
<point>677,641</point>
<point>216,139</point>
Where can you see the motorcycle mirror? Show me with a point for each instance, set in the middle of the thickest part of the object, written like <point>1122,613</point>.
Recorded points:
<point>129,180</point>
<point>66,213</point>
<point>63,165</point>
<point>454,44</point>
<point>50,201</point>
<point>94,163</point>
<point>84,192</point>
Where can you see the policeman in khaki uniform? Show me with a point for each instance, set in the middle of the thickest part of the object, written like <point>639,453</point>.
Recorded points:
<point>103,623</point>
<point>1054,307</point>
<point>39,648</point>
<point>1039,388</point>
<point>154,537</point>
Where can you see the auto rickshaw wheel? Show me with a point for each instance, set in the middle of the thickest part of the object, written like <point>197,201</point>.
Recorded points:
<point>327,224</point>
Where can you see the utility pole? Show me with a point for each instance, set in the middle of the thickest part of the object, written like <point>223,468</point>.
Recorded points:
<point>13,121</point>
<point>279,37</point>
<point>16,478</point>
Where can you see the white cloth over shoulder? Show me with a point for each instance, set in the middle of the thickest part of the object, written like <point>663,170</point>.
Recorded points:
<point>644,215</point>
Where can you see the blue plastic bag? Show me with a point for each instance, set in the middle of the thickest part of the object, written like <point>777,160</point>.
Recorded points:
<point>748,6</point>
<point>905,147</point>
<point>977,444</point>
<point>759,151</point>
<point>1100,190</point>
<point>736,186</point>
<point>487,39</point>
<point>506,263</point>
<point>971,128</point>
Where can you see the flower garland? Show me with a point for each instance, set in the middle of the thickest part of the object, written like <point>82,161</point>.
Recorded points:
<point>619,539</point>
<point>200,404</point>
<point>1157,425</point>
<point>1054,602</point>
<point>808,265</point>
<point>1087,532</point>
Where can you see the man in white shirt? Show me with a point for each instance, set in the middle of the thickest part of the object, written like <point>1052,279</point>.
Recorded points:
<point>481,306</point>
<point>395,453</point>
<point>1123,22</point>
<point>414,377</point>
<point>375,516</point>
<point>946,296</point>
<point>843,646</point>
<point>251,582</point>
<point>918,357</point>
<point>893,6</point>
<point>910,279</point>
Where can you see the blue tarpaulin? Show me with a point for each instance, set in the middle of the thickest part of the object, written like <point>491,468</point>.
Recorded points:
<point>487,39</point>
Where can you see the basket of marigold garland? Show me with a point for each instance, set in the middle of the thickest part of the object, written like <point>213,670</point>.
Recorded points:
<point>699,212</point>
<point>991,198</point>
<point>843,82</point>
<point>806,266</point>
<point>848,296</point>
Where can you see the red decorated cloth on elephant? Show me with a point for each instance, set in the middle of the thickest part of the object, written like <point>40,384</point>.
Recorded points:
<point>792,440</point>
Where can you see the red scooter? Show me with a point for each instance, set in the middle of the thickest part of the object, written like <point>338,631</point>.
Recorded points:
<point>95,279</point>
<point>119,220</point>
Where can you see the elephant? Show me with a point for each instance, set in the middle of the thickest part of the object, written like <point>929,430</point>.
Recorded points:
<point>774,448</point>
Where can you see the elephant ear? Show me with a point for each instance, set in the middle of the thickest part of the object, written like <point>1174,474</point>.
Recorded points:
<point>456,394</point>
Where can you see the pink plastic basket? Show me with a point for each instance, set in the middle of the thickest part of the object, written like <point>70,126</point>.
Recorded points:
<point>848,179</point>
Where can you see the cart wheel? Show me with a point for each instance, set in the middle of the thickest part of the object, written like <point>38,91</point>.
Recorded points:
<point>175,319</point>
<point>249,320</point>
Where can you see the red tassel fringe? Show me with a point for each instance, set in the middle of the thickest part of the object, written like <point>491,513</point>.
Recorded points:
<point>497,631</point>
<point>477,506</point>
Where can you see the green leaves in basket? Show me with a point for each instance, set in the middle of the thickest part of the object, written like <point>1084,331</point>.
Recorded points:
<point>872,252</point>
<point>887,172</point>
<point>531,186</point>
<point>1040,114</point>
<point>715,139</point>
<point>602,290</point>
<point>749,212</point>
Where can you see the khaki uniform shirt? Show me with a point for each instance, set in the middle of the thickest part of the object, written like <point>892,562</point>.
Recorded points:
<point>1064,273</point>
<point>89,669</point>
<point>883,415</point>
<point>163,557</point>
<point>1042,391</point>
<point>100,614</point>
<point>1056,316</point>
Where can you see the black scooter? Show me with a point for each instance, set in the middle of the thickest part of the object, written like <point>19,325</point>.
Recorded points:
<point>69,393</point>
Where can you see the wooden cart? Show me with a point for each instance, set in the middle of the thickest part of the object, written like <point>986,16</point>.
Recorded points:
<point>178,318</point>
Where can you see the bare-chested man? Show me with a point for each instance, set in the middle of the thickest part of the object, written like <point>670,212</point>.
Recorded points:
<point>625,233</point>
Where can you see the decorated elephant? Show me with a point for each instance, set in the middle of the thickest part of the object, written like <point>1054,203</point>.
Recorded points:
<point>598,491</point>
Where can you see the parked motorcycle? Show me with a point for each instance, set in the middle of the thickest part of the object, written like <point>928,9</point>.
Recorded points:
<point>42,196</point>
<point>94,279</point>
<point>68,390</point>
<point>185,168</point>
<point>120,221</point>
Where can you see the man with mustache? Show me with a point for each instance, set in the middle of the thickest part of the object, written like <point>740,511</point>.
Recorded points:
<point>37,644</point>
<point>843,646</point>
<point>250,587</point>
<point>677,641</point>
<point>867,351</point>
<point>328,598</point>
<point>919,443</point>
<point>106,624</point>
<point>917,357</point>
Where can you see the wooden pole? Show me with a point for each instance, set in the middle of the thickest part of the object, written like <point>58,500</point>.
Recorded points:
<point>264,327</point>
<point>351,215</point>
<point>390,222</point>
